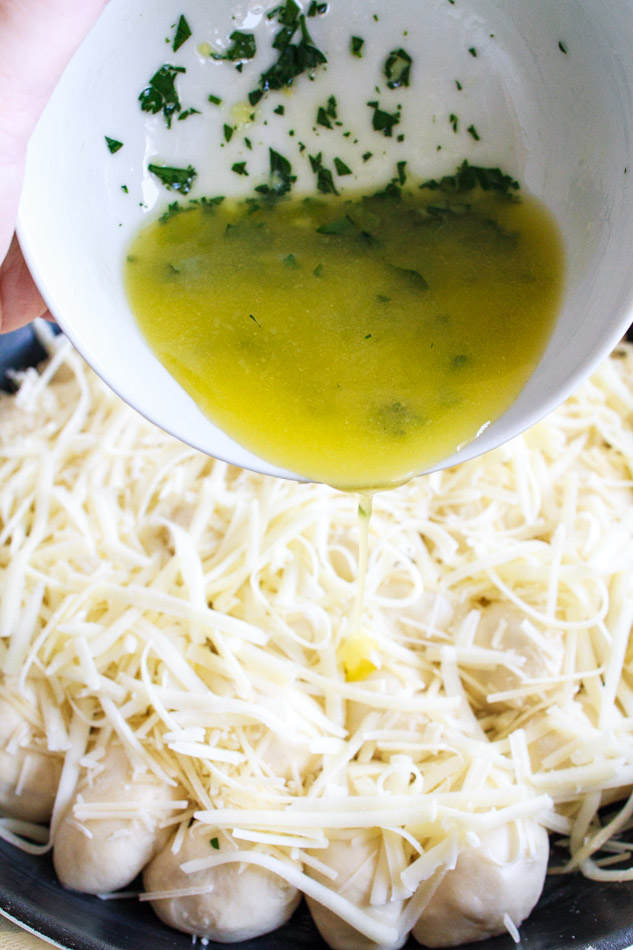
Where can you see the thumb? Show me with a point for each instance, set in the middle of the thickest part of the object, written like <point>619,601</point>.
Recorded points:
<point>37,39</point>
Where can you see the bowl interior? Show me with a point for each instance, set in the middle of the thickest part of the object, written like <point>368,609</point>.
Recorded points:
<point>549,91</point>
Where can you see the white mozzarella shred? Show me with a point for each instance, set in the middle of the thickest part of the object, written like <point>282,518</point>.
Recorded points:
<point>201,616</point>
<point>511,927</point>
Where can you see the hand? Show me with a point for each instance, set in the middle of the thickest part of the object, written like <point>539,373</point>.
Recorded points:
<point>37,39</point>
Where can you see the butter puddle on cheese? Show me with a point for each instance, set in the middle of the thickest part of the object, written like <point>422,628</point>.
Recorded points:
<point>355,341</point>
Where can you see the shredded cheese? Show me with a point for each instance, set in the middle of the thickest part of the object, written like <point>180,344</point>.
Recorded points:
<point>203,616</point>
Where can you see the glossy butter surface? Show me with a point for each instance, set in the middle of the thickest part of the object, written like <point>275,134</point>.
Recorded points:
<point>355,341</point>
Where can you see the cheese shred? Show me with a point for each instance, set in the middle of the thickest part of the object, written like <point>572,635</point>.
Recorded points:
<point>200,615</point>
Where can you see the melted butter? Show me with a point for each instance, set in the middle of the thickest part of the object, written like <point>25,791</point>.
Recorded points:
<point>358,651</point>
<point>355,342</point>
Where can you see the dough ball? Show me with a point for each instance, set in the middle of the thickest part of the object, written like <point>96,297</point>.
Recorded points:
<point>285,757</point>
<point>500,628</point>
<point>245,901</point>
<point>355,862</point>
<point>101,855</point>
<point>502,876</point>
<point>29,775</point>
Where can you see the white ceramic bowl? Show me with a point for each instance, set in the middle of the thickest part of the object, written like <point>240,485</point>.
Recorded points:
<point>550,91</point>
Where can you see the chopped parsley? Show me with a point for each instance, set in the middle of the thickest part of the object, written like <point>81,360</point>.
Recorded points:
<point>325,182</point>
<point>341,167</point>
<point>183,32</point>
<point>402,175</point>
<point>326,114</point>
<point>453,119</point>
<point>396,418</point>
<point>316,162</point>
<point>356,44</point>
<point>207,204</point>
<point>176,179</point>
<point>473,51</point>
<point>215,100</point>
<point>459,85</point>
<point>367,156</point>
<point>187,113</point>
<point>243,46</point>
<point>281,177</point>
<point>473,131</point>
<point>317,8</point>
<point>294,58</point>
<point>392,190</point>
<point>215,843</point>
<point>413,277</point>
<point>228,132</point>
<point>340,226</point>
<point>160,94</point>
<point>280,173</point>
<point>469,176</point>
<point>291,261</point>
<point>397,69</point>
<point>113,144</point>
<point>383,121</point>
<point>239,168</point>
<point>562,47</point>
<point>280,110</point>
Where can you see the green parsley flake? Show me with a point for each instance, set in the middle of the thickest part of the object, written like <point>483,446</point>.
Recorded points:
<point>325,182</point>
<point>356,44</point>
<point>383,121</point>
<point>342,168</point>
<point>397,69</point>
<point>469,176</point>
<point>160,94</point>
<point>281,177</point>
<point>176,179</point>
<point>239,168</point>
<point>327,113</point>
<point>183,32</point>
<point>113,145</point>
<point>243,46</point>
<point>294,58</point>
